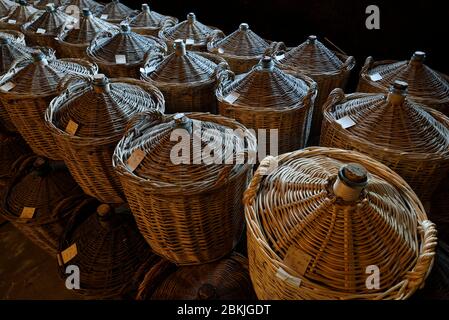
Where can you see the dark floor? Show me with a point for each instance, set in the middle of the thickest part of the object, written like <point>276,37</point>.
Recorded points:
<point>27,272</point>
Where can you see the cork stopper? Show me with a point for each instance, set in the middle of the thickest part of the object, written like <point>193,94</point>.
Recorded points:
<point>351,180</point>
<point>23,2</point>
<point>125,28</point>
<point>86,12</point>
<point>180,47</point>
<point>312,39</point>
<point>244,27</point>
<point>180,118</point>
<point>191,17</point>
<point>39,163</point>
<point>103,210</point>
<point>207,292</point>
<point>398,92</point>
<point>39,57</point>
<point>267,63</point>
<point>41,166</point>
<point>50,7</point>
<point>145,7</point>
<point>418,58</point>
<point>101,83</point>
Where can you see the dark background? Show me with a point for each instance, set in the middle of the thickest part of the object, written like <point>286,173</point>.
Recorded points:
<point>405,26</point>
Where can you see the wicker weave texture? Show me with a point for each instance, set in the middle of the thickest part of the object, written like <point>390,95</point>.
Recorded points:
<point>149,22</point>
<point>20,14</point>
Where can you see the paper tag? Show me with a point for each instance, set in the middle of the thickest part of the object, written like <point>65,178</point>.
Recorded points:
<point>12,21</point>
<point>346,122</point>
<point>71,128</point>
<point>375,77</point>
<point>120,59</point>
<point>147,70</point>
<point>27,213</point>
<point>232,97</point>
<point>280,57</point>
<point>8,86</point>
<point>135,159</point>
<point>190,41</point>
<point>297,260</point>
<point>104,16</point>
<point>285,276</point>
<point>41,31</point>
<point>69,253</point>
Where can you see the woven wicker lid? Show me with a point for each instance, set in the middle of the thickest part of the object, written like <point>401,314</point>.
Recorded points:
<point>52,21</point>
<point>42,4</point>
<point>11,52</point>
<point>226,279</point>
<point>190,28</point>
<point>133,46</point>
<point>89,26</point>
<point>40,185</point>
<point>242,42</point>
<point>267,86</point>
<point>115,10</point>
<point>328,214</point>
<point>103,107</point>
<point>147,18</point>
<point>41,76</point>
<point>422,81</point>
<point>92,5</point>
<point>6,6</point>
<point>165,170</point>
<point>21,13</point>
<point>180,66</point>
<point>390,121</point>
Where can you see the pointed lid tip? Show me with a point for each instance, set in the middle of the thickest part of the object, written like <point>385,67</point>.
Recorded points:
<point>86,12</point>
<point>145,7</point>
<point>419,56</point>
<point>39,162</point>
<point>103,210</point>
<point>180,47</point>
<point>267,63</point>
<point>312,38</point>
<point>244,27</point>
<point>399,87</point>
<point>38,56</point>
<point>50,7</point>
<point>191,17</point>
<point>353,174</point>
<point>125,27</point>
<point>23,2</point>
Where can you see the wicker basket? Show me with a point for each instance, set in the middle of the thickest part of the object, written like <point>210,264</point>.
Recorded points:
<point>268,98</point>
<point>13,149</point>
<point>105,244</point>
<point>329,69</point>
<point>29,90</point>
<point>115,12</point>
<point>42,4</point>
<point>187,79</point>
<point>319,223</point>
<point>87,150</point>
<point>189,213</point>
<point>73,42</point>
<point>6,6</point>
<point>195,34</point>
<point>226,279</point>
<point>150,22</point>
<point>425,86</point>
<point>43,30</point>
<point>19,15</point>
<point>92,5</point>
<point>242,49</point>
<point>123,54</point>
<point>12,35</point>
<point>39,200</point>
<point>411,139</point>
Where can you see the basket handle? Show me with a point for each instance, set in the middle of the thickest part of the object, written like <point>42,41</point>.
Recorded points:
<point>150,117</point>
<point>157,55</point>
<point>336,96</point>
<point>213,38</point>
<point>275,49</point>
<point>100,35</point>
<point>349,63</point>
<point>224,76</point>
<point>367,65</point>
<point>253,188</point>
<point>169,22</point>
<point>69,80</point>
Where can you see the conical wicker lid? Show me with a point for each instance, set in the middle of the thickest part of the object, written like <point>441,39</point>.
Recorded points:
<point>422,81</point>
<point>329,220</point>
<point>92,5</point>
<point>242,42</point>
<point>21,13</point>
<point>42,4</point>
<point>115,10</point>
<point>180,66</point>
<point>108,248</point>
<point>313,57</point>
<point>392,121</point>
<point>12,52</point>
<point>89,27</point>
<point>227,279</point>
<point>267,86</point>
<point>147,18</point>
<point>168,171</point>
<point>52,21</point>
<point>41,185</point>
<point>133,46</point>
<point>188,29</point>
<point>14,35</point>
<point>102,108</point>
<point>6,6</point>
<point>42,76</point>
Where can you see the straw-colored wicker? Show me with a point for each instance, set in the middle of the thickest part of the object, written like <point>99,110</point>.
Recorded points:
<point>319,218</point>
<point>109,249</point>
<point>101,108</point>
<point>425,86</point>
<point>12,149</point>
<point>43,30</point>
<point>13,35</point>
<point>115,12</point>
<point>34,87</point>
<point>18,16</point>
<point>226,279</point>
<point>48,188</point>
<point>189,212</point>
<point>73,42</point>
<point>409,138</point>
<point>187,79</point>
<point>269,98</point>
<point>6,6</point>
<point>242,49</point>
<point>329,69</point>
<point>189,30</point>
<point>106,47</point>
<point>149,22</point>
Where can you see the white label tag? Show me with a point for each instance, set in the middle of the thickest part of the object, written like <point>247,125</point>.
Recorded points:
<point>285,276</point>
<point>12,21</point>
<point>280,57</point>
<point>190,41</point>
<point>71,128</point>
<point>8,86</point>
<point>27,213</point>
<point>135,159</point>
<point>69,253</point>
<point>232,97</point>
<point>375,77</point>
<point>41,31</point>
<point>104,16</point>
<point>346,122</point>
<point>120,59</point>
